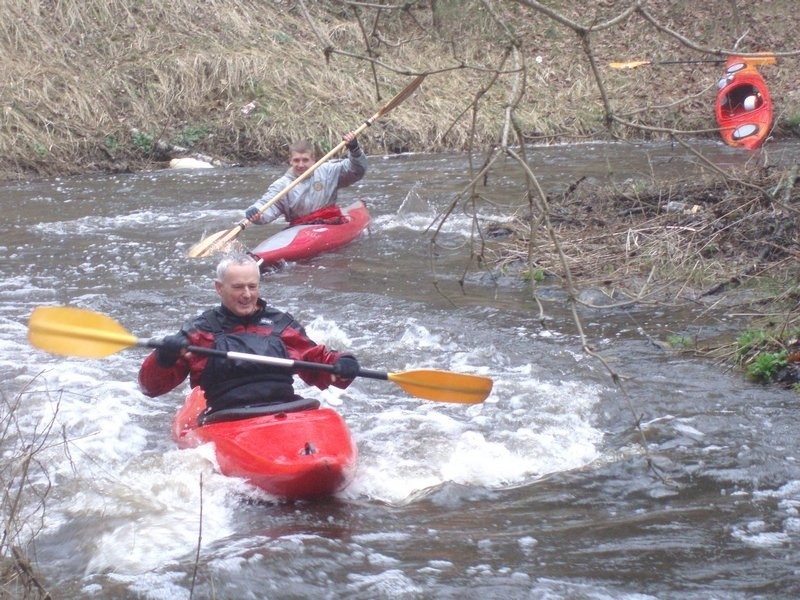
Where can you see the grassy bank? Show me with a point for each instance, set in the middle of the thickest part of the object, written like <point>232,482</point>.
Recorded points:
<point>90,85</point>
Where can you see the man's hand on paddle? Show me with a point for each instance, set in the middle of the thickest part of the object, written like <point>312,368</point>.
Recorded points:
<point>171,349</point>
<point>352,142</point>
<point>252,214</point>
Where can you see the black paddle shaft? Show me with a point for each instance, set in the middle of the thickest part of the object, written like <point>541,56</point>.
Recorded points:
<point>275,361</point>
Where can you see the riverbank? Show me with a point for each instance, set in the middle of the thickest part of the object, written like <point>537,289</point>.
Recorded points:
<point>729,248</point>
<point>91,86</point>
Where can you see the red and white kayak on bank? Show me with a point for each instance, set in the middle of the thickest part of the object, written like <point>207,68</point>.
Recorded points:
<point>295,451</point>
<point>743,107</point>
<point>302,242</point>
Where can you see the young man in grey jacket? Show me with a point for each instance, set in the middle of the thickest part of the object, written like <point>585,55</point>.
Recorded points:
<point>314,199</point>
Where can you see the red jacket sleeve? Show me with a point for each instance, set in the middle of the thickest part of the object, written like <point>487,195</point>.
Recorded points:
<point>155,380</point>
<point>300,347</point>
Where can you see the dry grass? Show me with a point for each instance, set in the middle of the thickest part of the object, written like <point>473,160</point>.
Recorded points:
<point>79,76</point>
<point>692,238</point>
<point>727,248</point>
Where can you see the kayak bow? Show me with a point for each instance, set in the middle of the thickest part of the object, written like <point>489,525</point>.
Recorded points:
<point>294,455</point>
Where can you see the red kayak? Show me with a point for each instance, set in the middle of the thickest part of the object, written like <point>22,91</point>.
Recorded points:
<point>302,242</point>
<point>743,107</point>
<point>294,450</point>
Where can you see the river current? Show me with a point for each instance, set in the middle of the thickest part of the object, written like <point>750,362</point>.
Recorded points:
<point>542,491</point>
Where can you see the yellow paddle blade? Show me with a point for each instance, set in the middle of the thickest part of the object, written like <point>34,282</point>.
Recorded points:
<point>444,386</point>
<point>765,59</point>
<point>214,243</point>
<point>77,332</point>
<point>629,65</point>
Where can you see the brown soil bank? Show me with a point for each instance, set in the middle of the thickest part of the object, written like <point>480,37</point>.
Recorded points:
<point>91,85</point>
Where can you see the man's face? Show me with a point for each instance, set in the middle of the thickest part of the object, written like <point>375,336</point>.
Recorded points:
<point>300,161</point>
<point>238,289</point>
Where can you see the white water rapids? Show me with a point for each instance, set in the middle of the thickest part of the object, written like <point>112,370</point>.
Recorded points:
<point>539,492</point>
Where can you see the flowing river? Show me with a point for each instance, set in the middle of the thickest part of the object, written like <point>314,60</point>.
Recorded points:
<point>542,491</point>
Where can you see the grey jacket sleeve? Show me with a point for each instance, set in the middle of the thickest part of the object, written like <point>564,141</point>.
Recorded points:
<point>276,210</point>
<point>353,168</point>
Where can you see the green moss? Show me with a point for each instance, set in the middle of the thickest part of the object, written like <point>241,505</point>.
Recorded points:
<point>793,120</point>
<point>192,134</point>
<point>143,141</point>
<point>680,342</point>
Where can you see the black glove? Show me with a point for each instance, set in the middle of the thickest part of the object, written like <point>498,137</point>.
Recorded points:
<point>251,213</point>
<point>346,366</point>
<point>352,145</point>
<point>169,351</point>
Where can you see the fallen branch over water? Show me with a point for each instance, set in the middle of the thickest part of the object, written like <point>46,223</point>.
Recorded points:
<point>731,246</point>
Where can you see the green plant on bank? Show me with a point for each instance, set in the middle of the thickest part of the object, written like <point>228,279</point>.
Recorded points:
<point>765,353</point>
<point>766,365</point>
<point>709,250</point>
<point>792,120</point>
<point>191,134</point>
<point>143,141</point>
<point>281,37</point>
<point>680,342</point>
<point>111,142</point>
<point>750,342</point>
<point>536,275</point>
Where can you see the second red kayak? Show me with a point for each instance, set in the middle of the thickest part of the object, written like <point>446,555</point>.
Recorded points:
<point>300,452</point>
<point>743,107</point>
<point>302,242</point>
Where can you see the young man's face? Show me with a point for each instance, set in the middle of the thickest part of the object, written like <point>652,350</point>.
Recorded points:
<point>300,161</point>
<point>238,289</point>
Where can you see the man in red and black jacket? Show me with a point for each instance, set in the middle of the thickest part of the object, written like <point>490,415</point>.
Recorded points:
<point>242,323</point>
